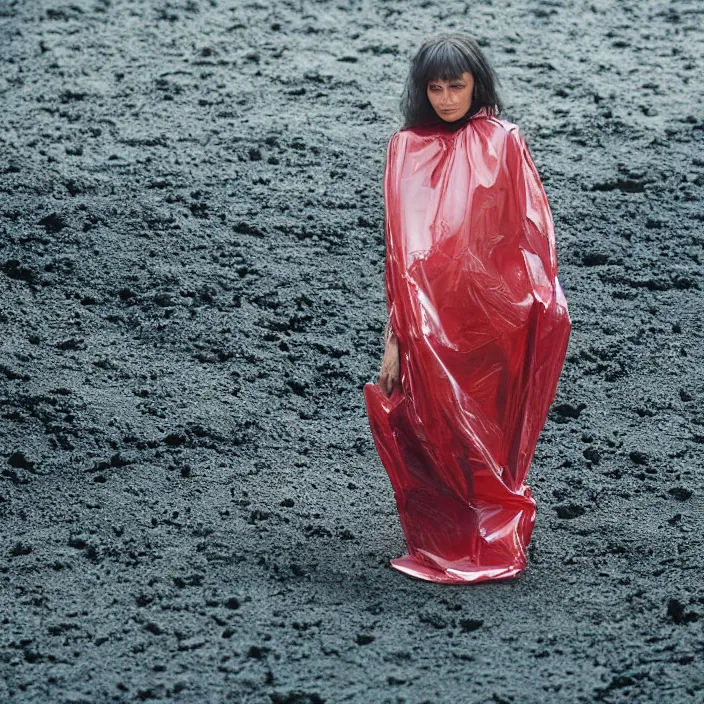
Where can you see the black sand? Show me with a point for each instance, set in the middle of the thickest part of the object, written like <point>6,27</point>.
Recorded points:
<point>192,257</point>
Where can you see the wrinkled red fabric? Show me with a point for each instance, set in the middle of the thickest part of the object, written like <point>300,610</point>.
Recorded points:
<point>482,325</point>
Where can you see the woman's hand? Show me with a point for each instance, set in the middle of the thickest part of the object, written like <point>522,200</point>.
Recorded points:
<point>390,367</point>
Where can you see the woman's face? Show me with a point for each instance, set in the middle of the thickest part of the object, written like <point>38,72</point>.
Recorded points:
<point>451,99</point>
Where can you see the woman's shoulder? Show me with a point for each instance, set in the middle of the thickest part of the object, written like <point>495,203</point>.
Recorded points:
<point>511,130</point>
<point>500,127</point>
<point>503,124</point>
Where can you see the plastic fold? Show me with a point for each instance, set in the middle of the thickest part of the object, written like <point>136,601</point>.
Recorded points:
<point>482,327</point>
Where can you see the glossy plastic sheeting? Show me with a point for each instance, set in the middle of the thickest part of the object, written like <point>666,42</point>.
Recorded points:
<point>482,327</point>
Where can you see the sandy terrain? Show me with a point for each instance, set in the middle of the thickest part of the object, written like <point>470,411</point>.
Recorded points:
<point>191,299</point>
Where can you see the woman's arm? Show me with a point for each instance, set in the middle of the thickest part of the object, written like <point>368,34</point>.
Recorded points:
<point>389,333</point>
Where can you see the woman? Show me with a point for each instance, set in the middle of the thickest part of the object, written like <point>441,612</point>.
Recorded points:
<point>478,324</point>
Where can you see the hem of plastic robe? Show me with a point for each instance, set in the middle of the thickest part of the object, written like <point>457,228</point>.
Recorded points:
<point>458,574</point>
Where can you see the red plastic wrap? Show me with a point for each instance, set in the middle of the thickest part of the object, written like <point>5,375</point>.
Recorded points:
<point>482,328</point>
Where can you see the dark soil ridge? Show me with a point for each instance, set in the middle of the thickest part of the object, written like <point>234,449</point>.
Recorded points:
<point>191,278</point>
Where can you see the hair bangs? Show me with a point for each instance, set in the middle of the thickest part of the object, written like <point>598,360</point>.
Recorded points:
<point>444,62</point>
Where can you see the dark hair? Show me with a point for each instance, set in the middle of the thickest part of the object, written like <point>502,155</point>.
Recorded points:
<point>447,56</point>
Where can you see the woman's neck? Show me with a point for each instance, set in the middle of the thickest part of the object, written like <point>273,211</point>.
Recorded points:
<point>461,122</point>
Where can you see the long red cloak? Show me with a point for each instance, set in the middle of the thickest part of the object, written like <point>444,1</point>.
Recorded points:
<point>482,325</point>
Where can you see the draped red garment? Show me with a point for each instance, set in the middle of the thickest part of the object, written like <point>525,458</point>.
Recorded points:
<point>482,326</point>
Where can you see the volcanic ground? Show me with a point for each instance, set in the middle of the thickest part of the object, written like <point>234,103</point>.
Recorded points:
<point>191,300</point>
